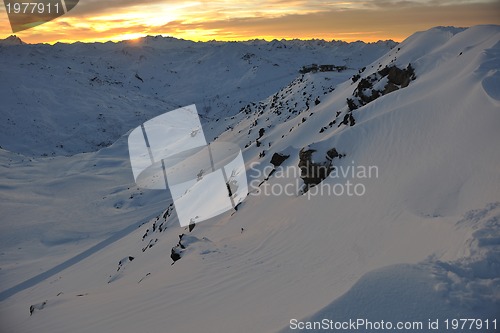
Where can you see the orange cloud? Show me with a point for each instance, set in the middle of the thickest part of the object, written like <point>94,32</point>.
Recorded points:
<point>94,20</point>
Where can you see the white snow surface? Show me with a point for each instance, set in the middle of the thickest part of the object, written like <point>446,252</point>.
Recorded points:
<point>89,251</point>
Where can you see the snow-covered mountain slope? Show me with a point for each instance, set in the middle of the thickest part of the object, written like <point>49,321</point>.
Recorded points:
<point>413,237</point>
<point>68,99</point>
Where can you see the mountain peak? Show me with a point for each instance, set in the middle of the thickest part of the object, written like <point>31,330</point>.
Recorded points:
<point>12,40</point>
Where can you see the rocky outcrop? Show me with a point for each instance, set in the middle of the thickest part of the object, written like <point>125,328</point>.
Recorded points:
<point>313,173</point>
<point>397,76</point>
<point>174,255</point>
<point>277,159</point>
<point>364,93</point>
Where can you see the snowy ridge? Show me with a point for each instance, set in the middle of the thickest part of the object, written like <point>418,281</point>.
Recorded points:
<point>425,229</point>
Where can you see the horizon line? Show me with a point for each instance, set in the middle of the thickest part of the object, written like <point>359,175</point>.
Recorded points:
<point>264,39</point>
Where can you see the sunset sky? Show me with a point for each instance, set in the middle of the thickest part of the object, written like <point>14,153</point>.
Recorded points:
<point>97,20</point>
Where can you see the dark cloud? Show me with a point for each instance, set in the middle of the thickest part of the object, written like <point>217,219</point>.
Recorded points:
<point>97,7</point>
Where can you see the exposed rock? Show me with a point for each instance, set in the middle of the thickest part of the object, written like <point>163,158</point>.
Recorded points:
<point>397,78</point>
<point>277,159</point>
<point>38,306</point>
<point>352,121</point>
<point>401,77</point>
<point>174,255</point>
<point>345,121</point>
<point>312,173</point>
<point>168,211</point>
<point>331,154</point>
<point>248,56</point>
<point>364,84</point>
<point>352,106</point>
<point>138,77</point>
<point>390,87</point>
